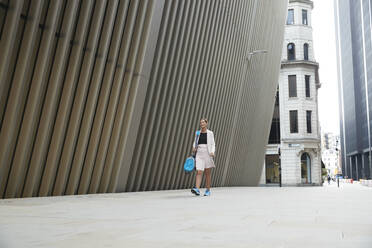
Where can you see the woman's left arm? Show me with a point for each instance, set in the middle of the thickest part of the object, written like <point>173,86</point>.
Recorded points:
<point>213,145</point>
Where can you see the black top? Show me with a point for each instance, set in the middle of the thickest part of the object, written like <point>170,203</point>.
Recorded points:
<point>203,138</point>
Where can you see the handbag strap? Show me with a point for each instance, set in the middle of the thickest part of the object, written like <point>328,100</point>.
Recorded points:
<point>197,138</point>
<point>196,141</point>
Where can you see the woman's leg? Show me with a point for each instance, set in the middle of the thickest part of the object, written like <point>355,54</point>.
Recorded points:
<point>208,178</point>
<point>199,177</point>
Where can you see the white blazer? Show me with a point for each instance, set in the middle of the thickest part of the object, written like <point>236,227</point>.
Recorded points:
<point>210,141</point>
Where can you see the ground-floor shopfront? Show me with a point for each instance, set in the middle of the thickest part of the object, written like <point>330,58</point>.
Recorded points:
<point>297,165</point>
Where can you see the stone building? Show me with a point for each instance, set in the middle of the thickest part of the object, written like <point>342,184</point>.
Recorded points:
<point>295,128</point>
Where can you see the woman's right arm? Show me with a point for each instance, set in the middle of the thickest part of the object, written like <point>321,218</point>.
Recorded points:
<point>193,144</point>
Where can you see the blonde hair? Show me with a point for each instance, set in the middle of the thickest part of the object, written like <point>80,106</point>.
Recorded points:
<point>204,119</point>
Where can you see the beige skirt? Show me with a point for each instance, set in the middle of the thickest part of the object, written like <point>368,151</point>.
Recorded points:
<point>203,159</point>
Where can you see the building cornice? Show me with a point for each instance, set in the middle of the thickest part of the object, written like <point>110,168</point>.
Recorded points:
<point>286,63</point>
<point>303,1</point>
<point>299,26</point>
<point>301,140</point>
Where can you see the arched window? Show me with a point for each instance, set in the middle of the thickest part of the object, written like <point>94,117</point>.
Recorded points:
<point>305,168</point>
<point>291,51</point>
<point>306,51</point>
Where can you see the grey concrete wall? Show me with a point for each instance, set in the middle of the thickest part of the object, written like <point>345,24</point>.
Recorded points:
<point>105,96</point>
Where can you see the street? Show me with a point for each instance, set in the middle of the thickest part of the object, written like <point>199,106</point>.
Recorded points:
<point>231,217</point>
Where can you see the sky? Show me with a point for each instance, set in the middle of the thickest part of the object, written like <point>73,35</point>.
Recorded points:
<point>324,43</point>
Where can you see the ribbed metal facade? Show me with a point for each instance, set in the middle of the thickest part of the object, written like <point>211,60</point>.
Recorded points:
<point>105,96</point>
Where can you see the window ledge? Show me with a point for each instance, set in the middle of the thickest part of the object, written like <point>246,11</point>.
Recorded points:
<point>299,25</point>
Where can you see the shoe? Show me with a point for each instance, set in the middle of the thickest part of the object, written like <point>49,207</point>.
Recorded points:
<point>195,191</point>
<point>207,192</point>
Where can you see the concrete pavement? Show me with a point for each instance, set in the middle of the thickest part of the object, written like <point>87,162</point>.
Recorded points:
<point>231,217</point>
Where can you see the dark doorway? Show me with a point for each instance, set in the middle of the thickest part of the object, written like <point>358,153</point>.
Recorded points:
<point>305,168</point>
<point>272,168</point>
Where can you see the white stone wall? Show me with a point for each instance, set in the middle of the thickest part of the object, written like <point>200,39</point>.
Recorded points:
<point>292,36</point>
<point>330,160</point>
<point>298,33</point>
<point>333,141</point>
<point>298,7</point>
<point>291,166</point>
<point>301,103</point>
<point>316,172</point>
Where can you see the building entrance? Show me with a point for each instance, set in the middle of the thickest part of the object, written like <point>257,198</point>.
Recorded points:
<point>272,168</point>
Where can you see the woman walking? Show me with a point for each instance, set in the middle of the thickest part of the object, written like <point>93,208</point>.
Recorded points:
<point>205,148</point>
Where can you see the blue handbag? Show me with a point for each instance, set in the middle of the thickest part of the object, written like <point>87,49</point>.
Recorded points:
<point>189,164</point>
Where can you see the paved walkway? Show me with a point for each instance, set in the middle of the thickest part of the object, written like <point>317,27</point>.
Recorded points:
<point>231,217</point>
